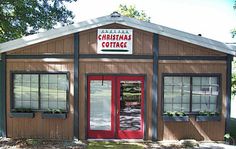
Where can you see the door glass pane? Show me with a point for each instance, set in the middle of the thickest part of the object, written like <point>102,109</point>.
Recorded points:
<point>130,105</point>
<point>100,105</point>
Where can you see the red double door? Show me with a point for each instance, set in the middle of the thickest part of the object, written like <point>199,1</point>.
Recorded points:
<point>115,107</point>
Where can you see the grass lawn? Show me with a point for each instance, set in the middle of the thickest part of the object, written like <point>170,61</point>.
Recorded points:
<point>113,145</point>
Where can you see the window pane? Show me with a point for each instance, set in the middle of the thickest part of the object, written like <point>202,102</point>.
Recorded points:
<point>177,107</point>
<point>17,78</point>
<point>205,92</point>
<point>177,93</point>
<point>34,79</point>
<point>34,104</point>
<point>213,99</point>
<point>214,81</point>
<point>100,105</point>
<point>186,81</point>
<point>185,107</point>
<point>196,107</point>
<point>25,91</point>
<point>186,99</point>
<point>177,80</point>
<point>26,104</point>
<point>34,87</point>
<point>26,77</point>
<point>34,96</point>
<point>167,107</point>
<point>196,99</point>
<point>196,81</point>
<point>213,108</point>
<point>168,80</point>
<point>44,78</point>
<point>26,96</point>
<point>62,105</point>
<point>54,91</point>
<point>44,104</point>
<point>52,78</point>
<point>205,107</point>
<point>17,96</point>
<point>26,86</point>
<point>62,96</point>
<point>17,87</point>
<point>205,80</point>
<point>53,105</point>
<point>177,99</point>
<point>52,96</point>
<point>168,100</point>
<point>17,104</point>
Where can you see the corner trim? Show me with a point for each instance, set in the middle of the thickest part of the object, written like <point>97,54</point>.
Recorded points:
<point>3,122</point>
<point>155,87</point>
<point>228,91</point>
<point>76,85</point>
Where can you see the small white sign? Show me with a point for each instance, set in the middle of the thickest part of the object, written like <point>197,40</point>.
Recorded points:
<point>115,41</point>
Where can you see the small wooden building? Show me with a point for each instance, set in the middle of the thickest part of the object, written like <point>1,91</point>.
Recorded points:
<point>115,77</point>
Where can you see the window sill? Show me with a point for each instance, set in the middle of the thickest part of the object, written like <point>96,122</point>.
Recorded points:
<point>207,118</point>
<point>175,118</point>
<point>54,115</point>
<point>22,114</point>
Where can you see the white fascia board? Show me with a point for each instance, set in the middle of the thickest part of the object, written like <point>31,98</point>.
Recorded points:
<point>180,35</point>
<point>94,23</point>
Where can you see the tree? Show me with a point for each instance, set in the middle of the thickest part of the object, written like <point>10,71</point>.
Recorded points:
<point>24,17</point>
<point>131,12</point>
<point>233,31</point>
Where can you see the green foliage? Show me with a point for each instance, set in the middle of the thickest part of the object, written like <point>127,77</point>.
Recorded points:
<point>22,110</point>
<point>227,136</point>
<point>208,113</point>
<point>132,12</point>
<point>233,32</point>
<point>53,111</point>
<point>229,139</point>
<point>233,84</point>
<point>24,17</point>
<point>33,142</point>
<point>175,113</point>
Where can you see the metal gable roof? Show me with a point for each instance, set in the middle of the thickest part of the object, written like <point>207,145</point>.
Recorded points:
<point>98,22</point>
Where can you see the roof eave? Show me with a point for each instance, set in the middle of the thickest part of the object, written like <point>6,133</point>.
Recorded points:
<point>106,20</point>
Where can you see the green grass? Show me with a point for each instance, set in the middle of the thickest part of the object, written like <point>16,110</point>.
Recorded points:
<point>113,145</point>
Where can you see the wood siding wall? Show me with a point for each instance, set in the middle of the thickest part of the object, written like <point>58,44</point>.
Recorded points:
<point>121,67</point>
<point>142,41</point>
<point>37,127</point>
<point>211,130</point>
<point>142,45</point>
<point>62,45</point>
<point>173,47</point>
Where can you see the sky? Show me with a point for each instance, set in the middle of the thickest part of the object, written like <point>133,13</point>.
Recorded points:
<point>212,18</point>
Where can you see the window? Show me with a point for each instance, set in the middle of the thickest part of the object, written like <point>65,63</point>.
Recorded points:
<point>177,94</point>
<point>204,94</point>
<point>40,91</point>
<point>26,91</point>
<point>191,94</point>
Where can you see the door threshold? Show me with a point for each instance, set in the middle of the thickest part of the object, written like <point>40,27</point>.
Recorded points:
<point>117,140</point>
